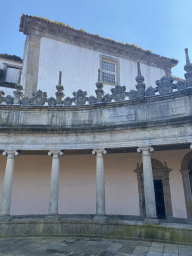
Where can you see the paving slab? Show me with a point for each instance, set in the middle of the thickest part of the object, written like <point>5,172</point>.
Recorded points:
<point>88,246</point>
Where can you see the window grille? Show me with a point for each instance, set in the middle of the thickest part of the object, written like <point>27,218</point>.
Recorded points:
<point>109,73</point>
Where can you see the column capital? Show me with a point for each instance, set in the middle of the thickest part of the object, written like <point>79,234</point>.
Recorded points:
<point>99,151</point>
<point>10,152</point>
<point>55,152</point>
<point>145,149</point>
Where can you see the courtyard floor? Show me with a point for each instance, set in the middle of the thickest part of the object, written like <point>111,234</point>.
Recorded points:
<point>61,246</point>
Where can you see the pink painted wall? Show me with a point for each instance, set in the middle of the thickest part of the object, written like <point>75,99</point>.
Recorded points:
<point>77,193</point>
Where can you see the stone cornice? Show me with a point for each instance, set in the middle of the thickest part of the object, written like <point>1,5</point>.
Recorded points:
<point>181,123</point>
<point>30,25</point>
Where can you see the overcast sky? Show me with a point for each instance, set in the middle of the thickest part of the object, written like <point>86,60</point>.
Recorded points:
<point>163,26</point>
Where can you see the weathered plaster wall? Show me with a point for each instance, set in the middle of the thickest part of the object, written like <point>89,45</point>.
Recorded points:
<point>80,69</point>
<point>78,184</point>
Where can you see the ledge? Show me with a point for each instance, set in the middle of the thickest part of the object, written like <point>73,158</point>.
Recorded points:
<point>114,228</point>
<point>173,109</point>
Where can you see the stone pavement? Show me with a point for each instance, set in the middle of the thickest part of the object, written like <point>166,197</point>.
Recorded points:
<point>63,246</point>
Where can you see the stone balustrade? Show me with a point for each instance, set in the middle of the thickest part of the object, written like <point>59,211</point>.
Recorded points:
<point>164,86</point>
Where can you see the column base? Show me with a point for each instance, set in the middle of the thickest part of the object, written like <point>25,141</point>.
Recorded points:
<point>189,221</point>
<point>151,220</point>
<point>5,218</point>
<point>170,219</point>
<point>52,217</point>
<point>100,219</point>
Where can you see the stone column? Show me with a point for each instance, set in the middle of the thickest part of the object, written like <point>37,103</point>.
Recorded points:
<point>54,189</point>
<point>187,192</point>
<point>100,186</point>
<point>150,204</point>
<point>8,181</point>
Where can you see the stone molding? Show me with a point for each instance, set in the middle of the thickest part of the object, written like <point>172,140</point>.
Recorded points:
<point>37,26</point>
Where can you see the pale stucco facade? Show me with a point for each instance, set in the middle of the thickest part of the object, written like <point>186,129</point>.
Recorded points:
<point>80,65</point>
<point>115,150</point>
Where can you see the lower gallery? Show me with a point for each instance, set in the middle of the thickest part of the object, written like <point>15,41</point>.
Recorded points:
<point>77,182</point>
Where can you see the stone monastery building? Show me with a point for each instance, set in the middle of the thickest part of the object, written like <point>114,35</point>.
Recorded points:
<point>101,129</point>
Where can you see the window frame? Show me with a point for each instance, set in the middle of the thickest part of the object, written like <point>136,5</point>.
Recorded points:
<point>117,73</point>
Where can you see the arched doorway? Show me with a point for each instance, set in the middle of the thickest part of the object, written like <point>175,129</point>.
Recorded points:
<point>190,173</point>
<point>186,171</point>
<point>161,186</point>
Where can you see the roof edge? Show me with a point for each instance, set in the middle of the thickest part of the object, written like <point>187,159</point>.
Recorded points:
<point>28,20</point>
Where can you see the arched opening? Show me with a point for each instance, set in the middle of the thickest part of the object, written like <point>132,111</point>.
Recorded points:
<point>190,173</point>
<point>186,171</point>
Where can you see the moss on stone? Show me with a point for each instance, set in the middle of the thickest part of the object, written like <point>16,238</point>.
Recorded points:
<point>10,57</point>
<point>173,60</point>
<point>130,232</point>
<point>96,34</point>
<point>63,24</point>
<point>146,232</point>
<point>182,236</point>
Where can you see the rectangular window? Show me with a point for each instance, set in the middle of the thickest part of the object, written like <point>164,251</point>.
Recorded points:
<point>109,68</point>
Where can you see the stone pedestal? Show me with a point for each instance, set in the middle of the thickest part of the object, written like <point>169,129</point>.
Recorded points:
<point>149,192</point>
<point>100,187</point>
<point>54,189</point>
<point>7,185</point>
<point>187,192</point>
